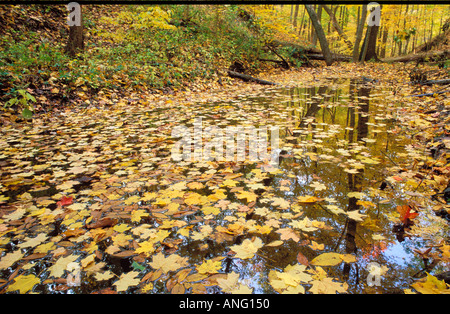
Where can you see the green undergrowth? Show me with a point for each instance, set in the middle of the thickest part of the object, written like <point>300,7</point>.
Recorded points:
<point>126,48</point>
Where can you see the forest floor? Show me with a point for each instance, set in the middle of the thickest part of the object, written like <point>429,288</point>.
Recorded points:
<point>92,200</point>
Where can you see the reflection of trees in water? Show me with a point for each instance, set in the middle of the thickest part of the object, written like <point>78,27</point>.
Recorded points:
<point>348,235</point>
<point>355,180</point>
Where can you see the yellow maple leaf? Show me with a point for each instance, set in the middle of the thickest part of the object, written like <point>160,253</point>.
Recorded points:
<point>230,283</point>
<point>316,246</point>
<point>32,242</point>
<point>318,186</point>
<point>146,247</point>
<point>121,239</point>
<point>114,196</point>
<point>170,263</point>
<point>217,196</point>
<point>247,249</point>
<point>148,196</point>
<point>23,283</point>
<point>127,280</point>
<point>58,268</point>
<point>136,215</point>
<point>10,258</point>
<point>229,183</point>
<point>355,215</point>
<point>132,199</point>
<point>328,286</point>
<point>121,227</point>
<point>209,267</point>
<point>288,233</point>
<point>431,286</point>
<point>332,259</point>
<point>250,196</point>
<point>196,199</point>
<point>179,186</point>
<point>207,210</point>
<point>358,195</point>
<point>15,215</point>
<point>280,202</point>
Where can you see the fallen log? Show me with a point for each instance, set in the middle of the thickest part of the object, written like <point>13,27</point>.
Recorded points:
<point>437,82</point>
<point>429,94</point>
<point>336,57</point>
<point>248,78</point>
<point>281,63</point>
<point>418,56</point>
<point>308,52</point>
<point>285,64</point>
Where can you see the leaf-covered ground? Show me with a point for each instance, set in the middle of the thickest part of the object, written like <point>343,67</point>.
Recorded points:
<point>92,201</point>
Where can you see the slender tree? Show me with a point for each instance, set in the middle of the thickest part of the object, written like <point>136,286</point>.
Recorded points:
<point>320,34</point>
<point>368,51</point>
<point>359,32</point>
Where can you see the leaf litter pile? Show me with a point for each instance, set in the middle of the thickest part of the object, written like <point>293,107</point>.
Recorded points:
<point>92,201</point>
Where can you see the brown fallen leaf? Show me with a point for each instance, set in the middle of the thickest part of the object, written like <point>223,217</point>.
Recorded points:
<point>302,259</point>
<point>104,222</point>
<point>178,289</point>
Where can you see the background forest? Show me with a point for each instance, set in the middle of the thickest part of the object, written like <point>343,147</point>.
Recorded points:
<point>174,47</point>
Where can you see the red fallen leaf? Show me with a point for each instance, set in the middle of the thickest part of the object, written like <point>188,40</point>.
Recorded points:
<point>397,178</point>
<point>405,213</point>
<point>65,201</point>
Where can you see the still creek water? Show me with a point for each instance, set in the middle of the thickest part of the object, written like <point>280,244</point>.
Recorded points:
<point>339,134</point>
<point>320,125</point>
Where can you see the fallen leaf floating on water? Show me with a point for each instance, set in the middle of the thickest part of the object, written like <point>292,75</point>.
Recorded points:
<point>328,286</point>
<point>355,215</point>
<point>431,285</point>
<point>65,201</point>
<point>127,280</point>
<point>167,264</point>
<point>406,214</point>
<point>308,199</point>
<point>248,248</point>
<point>332,259</point>
<point>23,283</point>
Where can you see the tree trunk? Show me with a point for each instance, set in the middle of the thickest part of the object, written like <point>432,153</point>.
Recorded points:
<point>295,16</point>
<point>359,33</point>
<point>369,49</point>
<point>319,14</point>
<point>384,42</point>
<point>320,34</point>
<point>75,44</point>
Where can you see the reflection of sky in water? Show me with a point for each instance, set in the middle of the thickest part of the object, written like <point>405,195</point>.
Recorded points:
<point>396,253</point>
